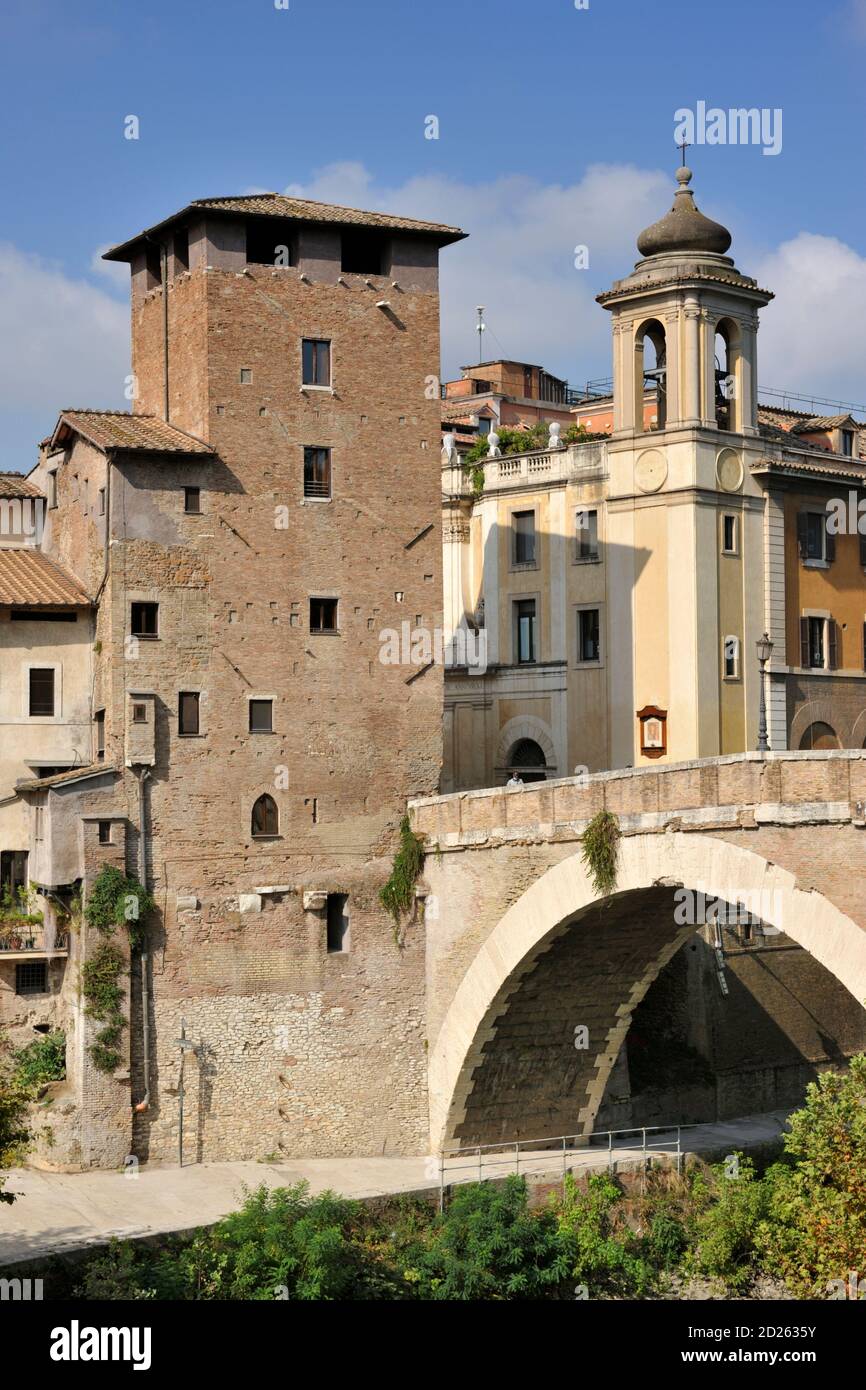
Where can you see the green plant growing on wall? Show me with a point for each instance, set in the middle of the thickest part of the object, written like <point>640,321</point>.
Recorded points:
<point>398,894</point>
<point>115,900</point>
<point>99,981</point>
<point>600,851</point>
<point>41,1061</point>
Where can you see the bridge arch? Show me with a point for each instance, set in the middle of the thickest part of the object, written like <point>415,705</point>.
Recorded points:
<point>560,913</point>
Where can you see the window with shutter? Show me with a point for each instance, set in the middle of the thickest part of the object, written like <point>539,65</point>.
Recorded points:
<point>832,645</point>
<point>804,641</point>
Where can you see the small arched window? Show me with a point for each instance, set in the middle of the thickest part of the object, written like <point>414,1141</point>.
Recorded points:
<point>819,735</point>
<point>265,820</point>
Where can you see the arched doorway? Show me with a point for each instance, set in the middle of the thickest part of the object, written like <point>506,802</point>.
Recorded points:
<point>527,761</point>
<point>819,735</point>
<point>506,1061</point>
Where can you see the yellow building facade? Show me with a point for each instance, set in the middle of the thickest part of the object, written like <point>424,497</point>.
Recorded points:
<point>616,589</point>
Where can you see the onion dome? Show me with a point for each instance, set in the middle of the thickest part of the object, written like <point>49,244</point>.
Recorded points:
<point>684,228</point>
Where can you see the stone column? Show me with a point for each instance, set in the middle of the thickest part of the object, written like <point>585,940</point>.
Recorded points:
<point>692,364</point>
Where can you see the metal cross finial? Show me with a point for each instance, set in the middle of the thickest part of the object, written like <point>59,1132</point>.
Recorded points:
<point>683,147</point>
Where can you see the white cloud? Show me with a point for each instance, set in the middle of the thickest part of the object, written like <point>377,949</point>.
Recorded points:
<point>810,337</point>
<point>64,342</point>
<point>519,258</point>
<point>115,271</point>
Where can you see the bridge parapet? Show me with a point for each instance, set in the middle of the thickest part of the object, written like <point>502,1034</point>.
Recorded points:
<point>738,790</point>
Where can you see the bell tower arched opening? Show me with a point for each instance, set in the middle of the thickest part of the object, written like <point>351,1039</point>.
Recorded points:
<point>650,346</point>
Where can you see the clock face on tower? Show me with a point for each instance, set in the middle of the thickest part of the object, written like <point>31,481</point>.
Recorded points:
<point>650,470</point>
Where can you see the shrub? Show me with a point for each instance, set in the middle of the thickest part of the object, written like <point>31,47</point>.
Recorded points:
<point>41,1061</point>
<point>312,1248</point>
<point>730,1211</point>
<point>603,1253</point>
<point>815,1230</point>
<point>488,1245</point>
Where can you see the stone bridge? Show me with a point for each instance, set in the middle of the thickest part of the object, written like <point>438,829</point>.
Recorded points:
<point>521,952</point>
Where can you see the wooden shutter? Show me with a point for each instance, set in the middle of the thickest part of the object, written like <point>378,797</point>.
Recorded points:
<point>829,547</point>
<point>802,534</point>
<point>833,644</point>
<point>863,551</point>
<point>804,641</point>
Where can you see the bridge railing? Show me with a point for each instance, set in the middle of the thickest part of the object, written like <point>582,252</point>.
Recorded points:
<point>556,1153</point>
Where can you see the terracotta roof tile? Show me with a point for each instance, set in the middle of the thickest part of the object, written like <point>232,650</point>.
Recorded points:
<point>823,422</point>
<point>833,468</point>
<point>16,485</point>
<point>72,774</point>
<point>296,209</point>
<point>116,429</point>
<point>28,579</point>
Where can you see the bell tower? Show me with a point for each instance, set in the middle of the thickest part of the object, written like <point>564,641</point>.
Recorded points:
<point>685,584</point>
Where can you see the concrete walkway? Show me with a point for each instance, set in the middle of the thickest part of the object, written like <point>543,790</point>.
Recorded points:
<point>65,1211</point>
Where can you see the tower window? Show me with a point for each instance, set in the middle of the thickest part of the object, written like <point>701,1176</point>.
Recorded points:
<point>105,832</point>
<point>153,263</point>
<point>729,535</point>
<point>181,250</point>
<point>317,472</point>
<point>139,714</point>
<point>323,615</point>
<point>188,712</point>
<point>362,251</point>
<point>265,820</point>
<point>272,241</point>
<point>316,362</point>
<point>192,500</point>
<point>338,923</point>
<point>261,716</point>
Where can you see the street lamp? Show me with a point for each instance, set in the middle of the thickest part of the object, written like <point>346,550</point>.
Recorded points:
<point>764,648</point>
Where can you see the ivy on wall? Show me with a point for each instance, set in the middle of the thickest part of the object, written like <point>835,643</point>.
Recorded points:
<point>115,900</point>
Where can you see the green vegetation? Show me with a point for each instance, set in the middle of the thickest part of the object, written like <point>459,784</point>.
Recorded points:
<point>600,851</point>
<point>801,1224</point>
<point>17,915</point>
<point>41,1061</point>
<point>23,1073</point>
<point>525,441</point>
<point>398,894</point>
<point>114,900</point>
<point>802,1221</point>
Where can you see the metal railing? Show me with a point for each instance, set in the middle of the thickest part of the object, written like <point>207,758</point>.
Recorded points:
<point>17,937</point>
<point>485,1161</point>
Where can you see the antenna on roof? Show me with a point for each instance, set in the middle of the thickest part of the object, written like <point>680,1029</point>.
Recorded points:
<point>480,326</point>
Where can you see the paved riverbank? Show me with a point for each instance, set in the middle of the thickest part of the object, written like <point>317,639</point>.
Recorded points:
<point>65,1211</point>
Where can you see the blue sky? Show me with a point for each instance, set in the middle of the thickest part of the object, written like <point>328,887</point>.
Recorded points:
<point>555,129</point>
